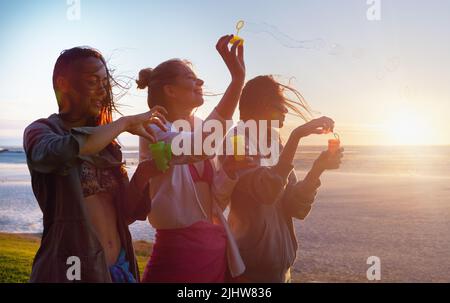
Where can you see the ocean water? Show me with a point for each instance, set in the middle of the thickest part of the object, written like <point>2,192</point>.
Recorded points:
<point>20,213</point>
<point>389,202</point>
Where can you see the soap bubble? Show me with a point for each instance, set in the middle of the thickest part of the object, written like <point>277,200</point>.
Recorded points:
<point>381,74</point>
<point>358,53</point>
<point>336,50</point>
<point>392,64</point>
<point>408,92</point>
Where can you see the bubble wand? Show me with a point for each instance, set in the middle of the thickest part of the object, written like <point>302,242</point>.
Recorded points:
<point>239,26</point>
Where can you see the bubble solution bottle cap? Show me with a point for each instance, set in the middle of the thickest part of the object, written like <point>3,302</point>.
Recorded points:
<point>236,37</point>
<point>161,154</point>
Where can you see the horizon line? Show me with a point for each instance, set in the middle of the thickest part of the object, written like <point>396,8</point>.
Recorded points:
<point>307,145</point>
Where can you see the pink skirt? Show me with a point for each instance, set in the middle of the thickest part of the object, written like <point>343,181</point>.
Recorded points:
<point>196,254</point>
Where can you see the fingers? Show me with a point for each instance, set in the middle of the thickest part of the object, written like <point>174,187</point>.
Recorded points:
<point>334,163</point>
<point>222,45</point>
<point>327,123</point>
<point>220,42</point>
<point>161,118</point>
<point>320,126</point>
<point>159,112</point>
<point>336,157</point>
<point>240,54</point>
<point>159,109</point>
<point>234,47</point>
<point>337,154</point>
<point>148,134</point>
<point>158,122</point>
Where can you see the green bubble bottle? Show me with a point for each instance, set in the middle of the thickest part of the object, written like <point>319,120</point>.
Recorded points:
<point>161,154</point>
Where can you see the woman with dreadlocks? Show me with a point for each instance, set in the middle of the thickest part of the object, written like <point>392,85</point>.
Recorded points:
<point>79,179</point>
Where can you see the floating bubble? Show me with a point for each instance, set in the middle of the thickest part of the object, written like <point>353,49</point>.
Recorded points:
<point>392,64</point>
<point>336,50</point>
<point>381,74</point>
<point>408,92</point>
<point>358,53</point>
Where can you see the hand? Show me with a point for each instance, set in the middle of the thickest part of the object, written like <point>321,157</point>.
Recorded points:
<point>328,160</point>
<point>140,124</point>
<point>234,57</point>
<point>231,166</point>
<point>318,126</point>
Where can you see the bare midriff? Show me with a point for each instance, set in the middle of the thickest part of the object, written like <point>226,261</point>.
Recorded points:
<point>103,218</point>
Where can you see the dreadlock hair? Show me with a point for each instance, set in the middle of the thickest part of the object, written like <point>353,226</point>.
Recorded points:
<point>63,66</point>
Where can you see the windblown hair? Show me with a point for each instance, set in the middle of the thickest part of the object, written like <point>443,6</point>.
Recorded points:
<point>63,67</point>
<point>263,91</point>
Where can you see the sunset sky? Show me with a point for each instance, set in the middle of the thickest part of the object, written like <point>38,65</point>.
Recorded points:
<point>383,81</point>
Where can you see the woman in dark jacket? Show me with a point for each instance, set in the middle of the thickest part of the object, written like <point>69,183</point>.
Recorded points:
<point>79,179</point>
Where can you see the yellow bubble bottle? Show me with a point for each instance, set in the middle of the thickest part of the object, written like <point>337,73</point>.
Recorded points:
<point>238,147</point>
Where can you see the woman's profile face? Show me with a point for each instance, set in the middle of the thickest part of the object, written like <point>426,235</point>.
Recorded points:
<point>89,87</point>
<point>274,109</point>
<point>187,88</point>
<point>277,111</point>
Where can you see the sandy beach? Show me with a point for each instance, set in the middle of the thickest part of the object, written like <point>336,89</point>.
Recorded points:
<point>402,220</point>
